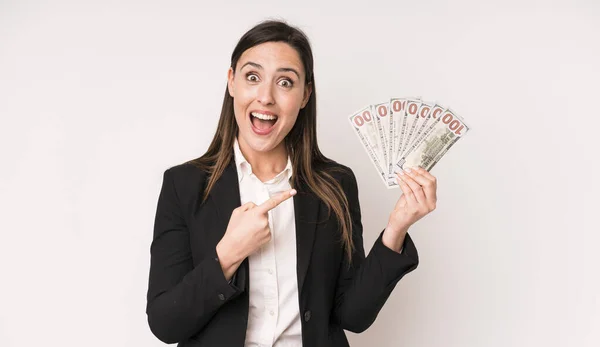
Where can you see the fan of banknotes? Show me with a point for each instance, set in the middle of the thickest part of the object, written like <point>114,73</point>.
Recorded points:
<point>406,132</point>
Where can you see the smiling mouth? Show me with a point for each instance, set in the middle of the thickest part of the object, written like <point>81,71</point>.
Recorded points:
<point>263,122</point>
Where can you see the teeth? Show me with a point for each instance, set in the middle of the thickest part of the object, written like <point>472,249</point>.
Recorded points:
<point>263,116</point>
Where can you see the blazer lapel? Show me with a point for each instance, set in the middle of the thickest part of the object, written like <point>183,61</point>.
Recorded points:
<point>226,196</point>
<point>226,193</point>
<point>306,210</point>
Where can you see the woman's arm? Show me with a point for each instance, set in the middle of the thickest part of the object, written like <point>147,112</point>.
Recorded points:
<point>181,298</point>
<point>364,287</point>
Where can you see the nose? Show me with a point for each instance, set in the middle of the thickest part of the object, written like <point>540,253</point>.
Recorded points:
<point>265,94</point>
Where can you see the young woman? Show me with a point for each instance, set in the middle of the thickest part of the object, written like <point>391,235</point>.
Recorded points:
<point>235,260</point>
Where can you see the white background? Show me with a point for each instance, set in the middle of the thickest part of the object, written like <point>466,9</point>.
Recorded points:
<point>98,98</point>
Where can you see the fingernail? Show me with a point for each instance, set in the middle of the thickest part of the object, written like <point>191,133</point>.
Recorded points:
<point>407,170</point>
<point>293,192</point>
<point>401,173</point>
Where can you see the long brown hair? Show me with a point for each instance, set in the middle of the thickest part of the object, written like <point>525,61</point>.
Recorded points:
<point>308,162</point>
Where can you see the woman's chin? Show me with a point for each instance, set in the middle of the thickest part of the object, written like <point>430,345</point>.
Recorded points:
<point>262,144</point>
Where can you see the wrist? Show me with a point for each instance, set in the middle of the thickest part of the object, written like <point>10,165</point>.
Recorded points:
<point>394,238</point>
<point>396,229</point>
<point>227,257</point>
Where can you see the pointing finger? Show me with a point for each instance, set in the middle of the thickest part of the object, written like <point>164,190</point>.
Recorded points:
<point>275,201</point>
<point>247,206</point>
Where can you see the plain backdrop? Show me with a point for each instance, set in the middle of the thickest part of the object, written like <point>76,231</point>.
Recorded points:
<point>98,98</point>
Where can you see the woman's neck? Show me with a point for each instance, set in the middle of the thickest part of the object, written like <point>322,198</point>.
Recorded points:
<point>265,165</point>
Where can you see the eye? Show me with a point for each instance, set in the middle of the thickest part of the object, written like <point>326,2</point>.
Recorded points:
<point>251,77</point>
<point>286,83</point>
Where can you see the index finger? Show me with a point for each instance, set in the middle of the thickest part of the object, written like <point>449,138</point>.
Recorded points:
<point>275,201</point>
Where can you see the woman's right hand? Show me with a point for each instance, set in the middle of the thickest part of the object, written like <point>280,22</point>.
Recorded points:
<point>247,231</point>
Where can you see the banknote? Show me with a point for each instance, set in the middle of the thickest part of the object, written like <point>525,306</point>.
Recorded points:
<point>448,129</point>
<point>412,118</point>
<point>382,119</point>
<point>365,127</point>
<point>398,124</point>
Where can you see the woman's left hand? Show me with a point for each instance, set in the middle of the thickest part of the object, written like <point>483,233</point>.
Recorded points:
<point>418,199</point>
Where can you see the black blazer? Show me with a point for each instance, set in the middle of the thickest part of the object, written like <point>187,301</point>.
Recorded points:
<point>189,300</point>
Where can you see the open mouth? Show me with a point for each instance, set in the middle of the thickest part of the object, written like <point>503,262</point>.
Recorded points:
<point>262,124</point>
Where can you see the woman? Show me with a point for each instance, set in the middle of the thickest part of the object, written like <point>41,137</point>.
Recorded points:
<point>235,261</point>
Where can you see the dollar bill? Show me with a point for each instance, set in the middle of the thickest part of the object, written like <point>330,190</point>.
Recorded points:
<point>412,118</point>
<point>381,112</point>
<point>448,129</point>
<point>365,128</point>
<point>398,124</point>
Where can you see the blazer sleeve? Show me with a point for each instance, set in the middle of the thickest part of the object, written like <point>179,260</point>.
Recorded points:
<point>181,298</point>
<point>364,285</point>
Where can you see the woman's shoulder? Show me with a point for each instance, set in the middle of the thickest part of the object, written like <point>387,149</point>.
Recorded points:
<point>185,181</point>
<point>338,171</point>
<point>187,174</point>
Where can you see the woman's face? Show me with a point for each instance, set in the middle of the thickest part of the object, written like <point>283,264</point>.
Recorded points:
<point>268,90</point>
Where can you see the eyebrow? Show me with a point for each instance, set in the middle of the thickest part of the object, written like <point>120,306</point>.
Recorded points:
<point>281,69</point>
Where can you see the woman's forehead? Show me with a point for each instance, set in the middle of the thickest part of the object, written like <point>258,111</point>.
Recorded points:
<point>272,55</point>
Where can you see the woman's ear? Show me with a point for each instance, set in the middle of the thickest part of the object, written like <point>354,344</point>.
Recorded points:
<point>307,92</point>
<point>230,84</point>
